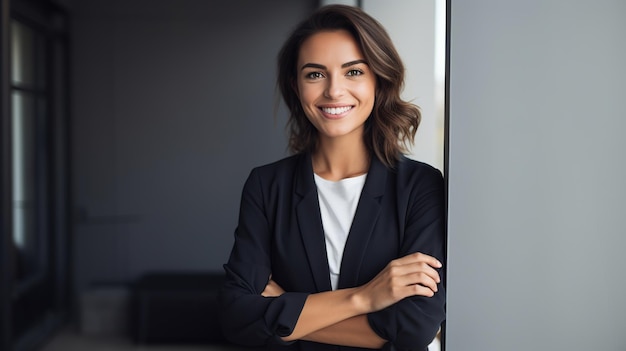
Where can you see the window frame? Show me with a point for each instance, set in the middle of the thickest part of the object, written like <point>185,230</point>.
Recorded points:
<point>34,308</point>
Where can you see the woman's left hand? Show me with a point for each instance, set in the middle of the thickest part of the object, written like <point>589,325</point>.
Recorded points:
<point>272,289</point>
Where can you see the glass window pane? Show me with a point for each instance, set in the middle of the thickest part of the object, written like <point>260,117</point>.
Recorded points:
<point>24,164</point>
<point>22,54</point>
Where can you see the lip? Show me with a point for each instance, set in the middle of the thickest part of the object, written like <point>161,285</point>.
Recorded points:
<point>335,111</point>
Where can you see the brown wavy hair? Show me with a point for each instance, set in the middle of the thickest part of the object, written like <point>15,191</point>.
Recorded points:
<point>392,125</point>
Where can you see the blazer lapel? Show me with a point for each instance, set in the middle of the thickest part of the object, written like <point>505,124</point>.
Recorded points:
<point>367,213</point>
<point>310,224</point>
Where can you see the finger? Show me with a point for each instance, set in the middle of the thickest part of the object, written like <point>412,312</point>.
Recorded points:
<point>425,268</point>
<point>430,260</point>
<point>278,287</point>
<point>418,257</point>
<point>416,273</point>
<point>419,290</point>
<point>272,288</point>
<point>270,291</point>
<point>416,267</point>
<point>419,278</point>
<point>426,281</point>
<point>414,290</point>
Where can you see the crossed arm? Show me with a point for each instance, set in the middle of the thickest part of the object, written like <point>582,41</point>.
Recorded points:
<point>402,305</point>
<point>340,317</point>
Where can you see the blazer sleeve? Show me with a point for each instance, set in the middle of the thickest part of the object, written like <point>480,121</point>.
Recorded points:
<point>247,317</point>
<point>412,323</point>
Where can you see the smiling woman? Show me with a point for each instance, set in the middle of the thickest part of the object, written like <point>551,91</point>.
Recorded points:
<point>341,243</point>
<point>336,88</point>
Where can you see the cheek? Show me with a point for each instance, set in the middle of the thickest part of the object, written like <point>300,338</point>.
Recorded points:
<point>307,99</point>
<point>367,94</point>
<point>366,90</point>
<point>308,95</point>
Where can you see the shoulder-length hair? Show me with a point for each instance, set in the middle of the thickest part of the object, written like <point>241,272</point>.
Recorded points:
<point>392,125</point>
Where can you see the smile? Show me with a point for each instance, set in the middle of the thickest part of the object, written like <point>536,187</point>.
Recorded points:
<point>336,110</point>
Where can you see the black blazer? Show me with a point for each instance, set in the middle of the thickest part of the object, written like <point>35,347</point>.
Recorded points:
<point>280,234</point>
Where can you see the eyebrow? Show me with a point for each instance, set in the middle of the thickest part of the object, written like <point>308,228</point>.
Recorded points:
<point>347,64</point>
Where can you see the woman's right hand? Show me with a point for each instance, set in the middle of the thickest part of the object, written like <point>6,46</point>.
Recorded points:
<point>411,275</point>
<point>272,289</point>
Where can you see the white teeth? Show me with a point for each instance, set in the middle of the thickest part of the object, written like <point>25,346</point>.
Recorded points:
<point>336,110</point>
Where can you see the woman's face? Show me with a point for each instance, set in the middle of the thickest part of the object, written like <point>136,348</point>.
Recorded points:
<point>335,85</point>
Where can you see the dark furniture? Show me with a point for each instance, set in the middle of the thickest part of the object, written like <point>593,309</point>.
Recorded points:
<point>174,307</point>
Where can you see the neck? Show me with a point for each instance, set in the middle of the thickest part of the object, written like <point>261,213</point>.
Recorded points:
<point>339,159</point>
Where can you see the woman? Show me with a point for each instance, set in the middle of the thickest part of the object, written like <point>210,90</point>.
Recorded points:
<point>340,244</point>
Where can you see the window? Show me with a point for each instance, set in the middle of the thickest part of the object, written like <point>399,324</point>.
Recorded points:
<point>29,158</point>
<point>35,196</point>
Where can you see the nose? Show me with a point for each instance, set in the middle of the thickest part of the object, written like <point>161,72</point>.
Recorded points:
<point>334,88</point>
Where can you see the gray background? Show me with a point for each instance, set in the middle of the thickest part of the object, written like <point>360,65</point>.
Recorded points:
<point>536,175</point>
<point>173,104</point>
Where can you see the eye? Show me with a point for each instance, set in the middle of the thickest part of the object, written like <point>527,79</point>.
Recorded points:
<point>314,75</point>
<point>354,72</point>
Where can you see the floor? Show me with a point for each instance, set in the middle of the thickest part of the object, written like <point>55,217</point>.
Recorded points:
<point>71,340</point>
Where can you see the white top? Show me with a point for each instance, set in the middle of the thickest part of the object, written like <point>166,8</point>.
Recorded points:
<point>338,201</point>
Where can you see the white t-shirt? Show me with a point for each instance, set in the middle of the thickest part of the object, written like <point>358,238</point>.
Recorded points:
<point>338,201</point>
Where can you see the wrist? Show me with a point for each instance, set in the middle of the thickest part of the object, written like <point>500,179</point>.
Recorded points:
<point>360,301</point>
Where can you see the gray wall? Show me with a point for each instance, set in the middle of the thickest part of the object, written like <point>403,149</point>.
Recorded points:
<point>536,175</point>
<point>173,104</point>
